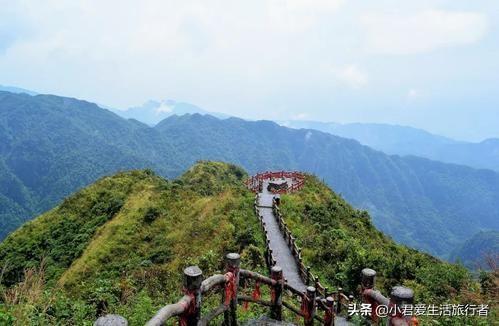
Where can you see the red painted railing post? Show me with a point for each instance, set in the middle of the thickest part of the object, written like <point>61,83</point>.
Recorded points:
<point>329,313</point>
<point>367,285</point>
<point>338,302</point>
<point>276,293</point>
<point>233,261</point>
<point>193,276</point>
<point>308,306</point>
<point>399,297</point>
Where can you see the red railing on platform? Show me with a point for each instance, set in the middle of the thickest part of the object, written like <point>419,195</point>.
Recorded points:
<point>298,179</point>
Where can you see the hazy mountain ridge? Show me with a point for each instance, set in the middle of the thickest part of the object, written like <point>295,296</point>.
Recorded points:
<point>57,145</point>
<point>153,112</point>
<point>403,140</point>
<point>16,90</point>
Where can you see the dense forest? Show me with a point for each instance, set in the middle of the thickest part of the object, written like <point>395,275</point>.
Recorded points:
<point>55,145</point>
<point>119,246</point>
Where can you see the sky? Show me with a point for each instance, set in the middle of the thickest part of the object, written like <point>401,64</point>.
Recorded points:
<point>431,64</point>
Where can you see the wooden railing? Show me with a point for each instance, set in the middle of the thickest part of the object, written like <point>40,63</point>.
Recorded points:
<point>306,275</point>
<point>341,300</point>
<point>400,296</point>
<point>310,306</point>
<point>255,182</point>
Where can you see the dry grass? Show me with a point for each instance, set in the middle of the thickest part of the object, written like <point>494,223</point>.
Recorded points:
<point>27,296</point>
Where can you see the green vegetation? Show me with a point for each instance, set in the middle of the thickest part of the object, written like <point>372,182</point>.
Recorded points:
<point>54,146</point>
<point>425,204</point>
<point>120,245</point>
<point>345,242</point>
<point>479,252</point>
<point>339,241</point>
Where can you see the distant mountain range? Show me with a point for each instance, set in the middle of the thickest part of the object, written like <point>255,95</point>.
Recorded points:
<point>16,90</point>
<point>52,146</point>
<point>152,112</point>
<point>402,140</point>
<point>391,139</point>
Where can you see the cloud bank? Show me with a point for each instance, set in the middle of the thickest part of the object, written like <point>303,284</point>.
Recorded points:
<point>333,60</point>
<point>421,32</point>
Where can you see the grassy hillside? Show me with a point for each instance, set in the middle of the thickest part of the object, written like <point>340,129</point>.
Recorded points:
<point>120,245</point>
<point>346,241</point>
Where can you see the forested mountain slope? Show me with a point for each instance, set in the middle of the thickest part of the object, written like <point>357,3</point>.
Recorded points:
<point>52,146</point>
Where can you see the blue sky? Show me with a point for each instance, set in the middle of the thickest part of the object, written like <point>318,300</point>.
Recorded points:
<point>428,64</point>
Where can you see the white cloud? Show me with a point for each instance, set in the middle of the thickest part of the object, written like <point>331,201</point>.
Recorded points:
<point>164,108</point>
<point>397,33</point>
<point>299,15</point>
<point>352,76</point>
<point>413,93</point>
<point>300,116</point>
<point>255,59</point>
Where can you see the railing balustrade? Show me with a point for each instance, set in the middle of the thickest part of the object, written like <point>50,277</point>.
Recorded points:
<point>188,308</point>
<point>317,303</point>
<point>255,182</point>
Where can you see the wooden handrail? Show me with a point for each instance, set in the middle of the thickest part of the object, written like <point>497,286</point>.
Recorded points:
<point>399,297</point>
<point>169,311</point>
<point>188,307</point>
<point>212,314</point>
<point>254,182</point>
<point>212,282</point>
<point>296,252</point>
<point>257,277</point>
<point>246,298</point>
